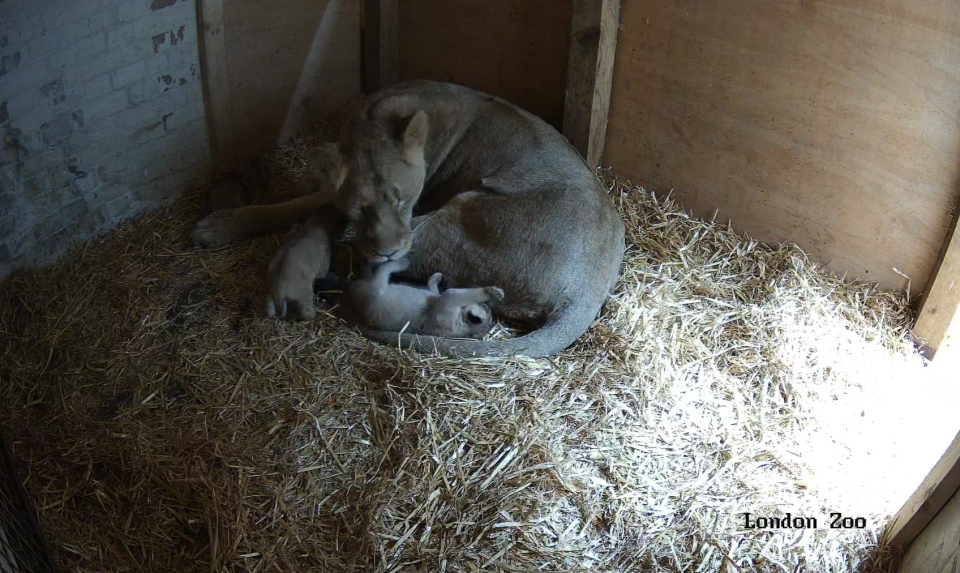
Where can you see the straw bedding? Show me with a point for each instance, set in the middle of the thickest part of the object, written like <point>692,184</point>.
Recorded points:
<point>164,424</point>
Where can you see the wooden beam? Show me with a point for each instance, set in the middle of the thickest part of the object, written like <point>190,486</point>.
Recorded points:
<point>941,302</point>
<point>381,44</point>
<point>593,45</point>
<point>936,490</point>
<point>216,82</point>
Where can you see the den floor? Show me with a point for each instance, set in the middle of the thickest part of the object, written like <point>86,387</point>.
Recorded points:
<point>163,424</point>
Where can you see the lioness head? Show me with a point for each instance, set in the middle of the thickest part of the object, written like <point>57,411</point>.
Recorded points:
<point>381,175</point>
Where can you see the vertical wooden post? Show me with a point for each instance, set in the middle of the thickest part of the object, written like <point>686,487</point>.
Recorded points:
<point>593,45</point>
<point>216,87</point>
<point>940,309</point>
<point>381,50</point>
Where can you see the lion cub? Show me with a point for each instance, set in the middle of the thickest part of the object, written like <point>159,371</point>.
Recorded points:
<point>453,313</point>
<point>304,258</point>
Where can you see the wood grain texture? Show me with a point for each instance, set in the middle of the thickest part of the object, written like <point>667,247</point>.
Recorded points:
<point>593,44</point>
<point>940,485</point>
<point>289,65</point>
<point>936,549</point>
<point>941,302</point>
<point>389,42</point>
<point>381,51</point>
<point>828,123</point>
<point>216,88</point>
<point>582,73</point>
<point>609,25</point>
<point>514,49</point>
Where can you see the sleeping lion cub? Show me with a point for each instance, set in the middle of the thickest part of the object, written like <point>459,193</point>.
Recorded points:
<point>453,313</point>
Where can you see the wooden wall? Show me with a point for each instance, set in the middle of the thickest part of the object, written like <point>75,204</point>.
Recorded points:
<point>280,65</point>
<point>829,123</point>
<point>936,549</point>
<point>515,49</point>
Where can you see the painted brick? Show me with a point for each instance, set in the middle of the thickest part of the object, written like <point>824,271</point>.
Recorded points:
<point>117,169</point>
<point>56,129</point>
<point>66,19</point>
<point>10,11</point>
<point>10,61</point>
<point>105,106</point>
<point>136,51</point>
<point>122,206</point>
<point>106,114</point>
<point>21,104</point>
<point>79,51</point>
<point>62,38</point>
<point>129,74</point>
<point>23,30</point>
<point>38,185</point>
<point>8,226</point>
<point>48,225</point>
<point>142,91</point>
<point>27,74</point>
<point>133,9</point>
<point>36,10</point>
<point>73,211</point>
<point>52,245</point>
<point>86,224</point>
<point>147,27</point>
<point>95,87</point>
<point>184,116</point>
<point>90,68</point>
<point>84,183</point>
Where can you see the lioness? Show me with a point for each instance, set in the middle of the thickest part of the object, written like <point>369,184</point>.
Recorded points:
<point>453,313</point>
<point>502,199</point>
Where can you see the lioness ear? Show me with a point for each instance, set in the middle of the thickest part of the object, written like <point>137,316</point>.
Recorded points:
<point>415,134</point>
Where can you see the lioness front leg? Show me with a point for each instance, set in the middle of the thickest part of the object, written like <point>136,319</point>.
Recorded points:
<point>227,226</point>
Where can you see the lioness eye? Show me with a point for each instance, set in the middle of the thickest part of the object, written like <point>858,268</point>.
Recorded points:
<point>400,202</point>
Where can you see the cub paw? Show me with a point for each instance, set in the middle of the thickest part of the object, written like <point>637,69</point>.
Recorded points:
<point>290,308</point>
<point>289,287</point>
<point>494,293</point>
<point>214,230</point>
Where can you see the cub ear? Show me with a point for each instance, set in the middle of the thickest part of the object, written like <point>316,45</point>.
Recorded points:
<point>415,133</point>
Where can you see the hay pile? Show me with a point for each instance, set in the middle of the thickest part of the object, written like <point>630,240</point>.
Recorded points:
<point>165,425</point>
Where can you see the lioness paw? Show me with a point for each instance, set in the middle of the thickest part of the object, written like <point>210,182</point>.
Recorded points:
<point>214,230</point>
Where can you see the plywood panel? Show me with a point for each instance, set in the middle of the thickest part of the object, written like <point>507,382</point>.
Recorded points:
<point>289,63</point>
<point>829,123</point>
<point>937,549</point>
<point>515,49</point>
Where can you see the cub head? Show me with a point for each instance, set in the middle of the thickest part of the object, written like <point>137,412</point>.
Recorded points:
<point>475,320</point>
<point>380,177</point>
<point>451,320</point>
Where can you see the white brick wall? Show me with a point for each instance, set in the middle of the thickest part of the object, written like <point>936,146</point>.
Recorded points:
<point>101,117</point>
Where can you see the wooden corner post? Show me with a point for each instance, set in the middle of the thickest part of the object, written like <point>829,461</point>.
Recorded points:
<point>381,44</point>
<point>936,490</point>
<point>939,317</point>
<point>216,86</point>
<point>593,46</point>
